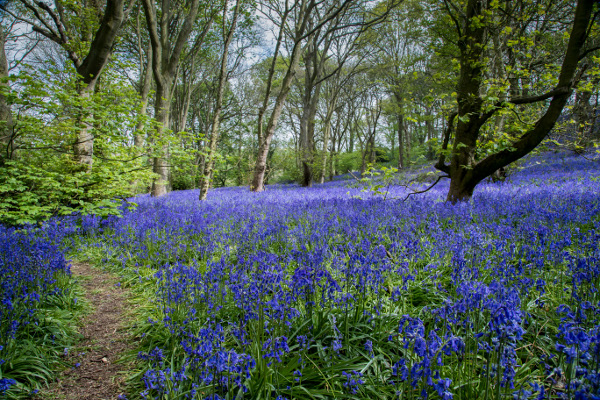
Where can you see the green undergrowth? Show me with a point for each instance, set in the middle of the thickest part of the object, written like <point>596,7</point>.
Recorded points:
<point>38,353</point>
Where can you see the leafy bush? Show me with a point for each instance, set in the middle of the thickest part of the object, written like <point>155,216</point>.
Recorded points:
<point>40,178</point>
<point>348,162</point>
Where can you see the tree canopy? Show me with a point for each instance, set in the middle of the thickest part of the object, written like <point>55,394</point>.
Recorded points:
<point>102,100</point>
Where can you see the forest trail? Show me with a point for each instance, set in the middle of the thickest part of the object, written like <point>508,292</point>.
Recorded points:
<point>95,373</point>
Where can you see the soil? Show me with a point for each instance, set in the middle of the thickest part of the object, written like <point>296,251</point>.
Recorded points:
<point>95,373</point>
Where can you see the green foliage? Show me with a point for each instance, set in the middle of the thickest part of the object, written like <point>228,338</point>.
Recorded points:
<point>39,350</point>
<point>42,178</point>
<point>285,163</point>
<point>348,162</point>
<point>378,182</point>
<point>30,193</point>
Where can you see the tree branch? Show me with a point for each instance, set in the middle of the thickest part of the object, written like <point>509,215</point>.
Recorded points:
<point>441,164</point>
<point>184,34</point>
<point>103,42</point>
<point>428,189</point>
<point>588,51</point>
<point>454,20</point>
<point>57,21</point>
<point>543,126</point>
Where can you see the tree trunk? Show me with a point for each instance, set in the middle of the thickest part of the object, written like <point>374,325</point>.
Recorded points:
<point>464,172</point>
<point>307,133</point>
<point>271,73</point>
<point>83,148</point>
<point>162,112</point>
<point>326,134</point>
<point>6,123</point>
<point>400,122</point>
<point>260,166</point>
<point>469,106</point>
<point>408,139</point>
<point>214,136</point>
<point>332,156</point>
<point>583,111</point>
<point>430,133</point>
<point>139,138</point>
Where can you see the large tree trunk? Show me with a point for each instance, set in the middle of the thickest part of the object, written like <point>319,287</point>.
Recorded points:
<point>465,173</point>
<point>83,148</point>
<point>469,105</point>
<point>162,112</point>
<point>260,166</point>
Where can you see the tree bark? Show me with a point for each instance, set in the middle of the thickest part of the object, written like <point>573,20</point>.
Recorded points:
<point>6,123</point>
<point>166,56</point>
<point>400,122</point>
<point>214,136</point>
<point>465,173</point>
<point>326,134</point>
<point>162,112</point>
<point>332,155</point>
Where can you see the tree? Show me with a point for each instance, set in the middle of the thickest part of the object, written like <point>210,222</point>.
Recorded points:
<point>465,169</point>
<point>308,18</point>
<point>214,135</point>
<point>62,25</point>
<point>6,124</point>
<point>169,37</point>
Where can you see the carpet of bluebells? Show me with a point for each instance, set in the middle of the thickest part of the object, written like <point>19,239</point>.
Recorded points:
<point>330,292</point>
<point>35,300</point>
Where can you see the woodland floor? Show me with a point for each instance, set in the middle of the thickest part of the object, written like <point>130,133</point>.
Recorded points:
<point>95,373</point>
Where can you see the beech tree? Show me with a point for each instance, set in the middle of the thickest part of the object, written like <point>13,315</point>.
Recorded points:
<point>170,29</point>
<point>227,33</point>
<point>466,169</point>
<point>61,23</point>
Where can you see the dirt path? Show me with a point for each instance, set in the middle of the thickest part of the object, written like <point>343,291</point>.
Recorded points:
<point>95,373</point>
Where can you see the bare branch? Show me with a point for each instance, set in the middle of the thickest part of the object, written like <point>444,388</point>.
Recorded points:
<point>55,18</point>
<point>428,189</point>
